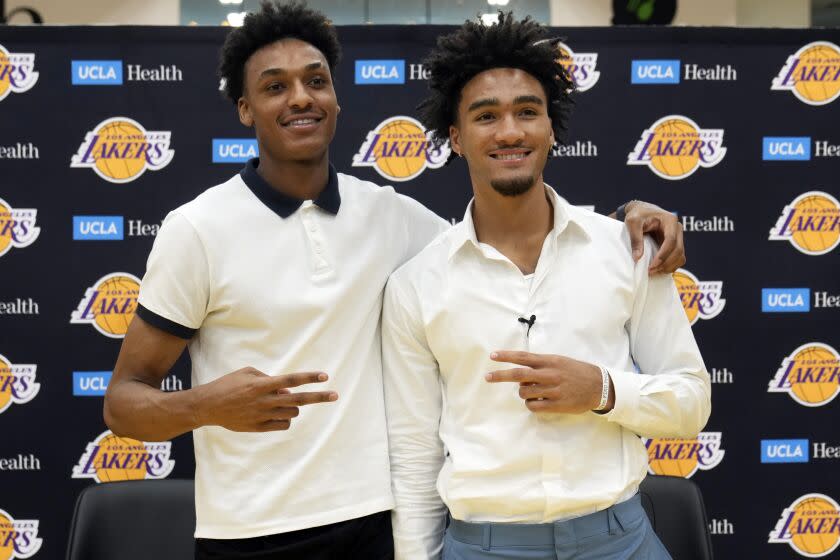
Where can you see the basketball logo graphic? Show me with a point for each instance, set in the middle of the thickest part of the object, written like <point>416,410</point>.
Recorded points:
<point>684,456</point>
<point>579,66</point>
<point>18,538</point>
<point>111,458</point>
<point>17,383</point>
<point>675,146</point>
<point>811,223</point>
<point>811,526</point>
<point>17,75</point>
<point>399,150</point>
<point>810,375</point>
<point>701,300</point>
<point>109,304</point>
<point>17,227</point>
<point>120,150</point>
<point>812,73</point>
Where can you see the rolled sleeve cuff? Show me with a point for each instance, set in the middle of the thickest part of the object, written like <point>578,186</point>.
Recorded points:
<point>165,324</point>
<point>627,386</point>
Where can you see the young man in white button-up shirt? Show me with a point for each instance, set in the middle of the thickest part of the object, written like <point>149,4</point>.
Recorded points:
<point>510,342</point>
<point>274,279</point>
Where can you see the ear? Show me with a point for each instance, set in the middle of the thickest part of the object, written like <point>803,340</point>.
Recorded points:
<point>245,116</point>
<point>337,109</point>
<point>455,140</point>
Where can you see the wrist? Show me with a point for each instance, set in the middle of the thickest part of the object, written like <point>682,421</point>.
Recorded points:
<point>606,393</point>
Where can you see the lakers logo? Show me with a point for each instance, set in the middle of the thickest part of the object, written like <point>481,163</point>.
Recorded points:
<point>579,66</point>
<point>684,456</point>
<point>675,146</point>
<point>110,458</point>
<point>701,300</point>
<point>18,538</point>
<point>17,74</point>
<point>109,304</point>
<point>812,73</point>
<point>811,223</point>
<point>17,384</point>
<point>17,227</point>
<point>120,150</point>
<point>810,375</point>
<point>811,526</point>
<point>399,150</point>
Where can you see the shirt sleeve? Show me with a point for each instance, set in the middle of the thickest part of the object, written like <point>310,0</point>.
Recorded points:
<point>422,225</point>
<point>175,290</point>
<point>671,396</point>
<point>413,403</point>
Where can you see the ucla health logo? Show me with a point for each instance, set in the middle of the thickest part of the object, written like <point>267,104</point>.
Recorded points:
<point>234,150</point>
<point>399,150</point>
<point>811,223</point>
<point>655,72</point>
<point>784,451</point>
<point>380,72</point>
<point>684,456</point>
<point>110,458</point>
<point>17,384</point>
<point>90,383</point>
<point>17,72</point>
<point>785,300</point>
<point>812,73</point>
<point>17,227</point>
<point>811,526</point>
<point>96,72</point>
<point>98,228</point>
<point>120,150</point>
<point>19,537</point>
<point>786,148</point>
<point>810,375</point>
<point>581,67</point>
<point>675,146</point>
<point>109,305</point>
<point>700,300</point>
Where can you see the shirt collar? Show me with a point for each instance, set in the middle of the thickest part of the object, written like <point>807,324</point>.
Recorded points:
<point>282,204</point>
<point>564,214</point>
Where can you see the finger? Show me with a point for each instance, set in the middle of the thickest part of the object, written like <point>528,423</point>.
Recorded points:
<point>519,357</point>
<point>675,261</point>
<point>669,244</point>
<point>295,379</point>
<point>306,397</point>
<point>517,375</point>
<point>637,240</point>
<point>273,425</point>
<point>540,405</point>
<point>537,391</point>
<point>281,413</point>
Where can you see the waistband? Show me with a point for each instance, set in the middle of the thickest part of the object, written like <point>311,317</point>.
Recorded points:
<point>618,517</point>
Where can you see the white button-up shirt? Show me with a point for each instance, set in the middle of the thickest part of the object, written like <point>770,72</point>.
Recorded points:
<point>493,460</point>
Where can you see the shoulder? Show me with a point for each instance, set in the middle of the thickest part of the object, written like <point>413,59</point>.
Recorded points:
<point>206,209</point>
<point>426,267</point>
<point>358,190</point>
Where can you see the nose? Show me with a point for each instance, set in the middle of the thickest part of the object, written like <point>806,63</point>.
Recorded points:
<point>299,97</point>
<point>509,131</point>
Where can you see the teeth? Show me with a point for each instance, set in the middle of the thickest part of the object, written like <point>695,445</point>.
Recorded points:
<point>299,122</point>
<point>507,157</point>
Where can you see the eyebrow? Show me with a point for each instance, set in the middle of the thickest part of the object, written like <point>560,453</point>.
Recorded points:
<point>493,101</point>
<point>276,71</point>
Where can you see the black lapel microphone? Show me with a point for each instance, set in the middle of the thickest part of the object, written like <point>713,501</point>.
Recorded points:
<point>530,322</point>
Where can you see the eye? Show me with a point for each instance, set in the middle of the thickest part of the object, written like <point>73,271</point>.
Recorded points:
<point>274,86</point>
<point>485,117</point>
<point>529,112</point>
<point>318,81</point>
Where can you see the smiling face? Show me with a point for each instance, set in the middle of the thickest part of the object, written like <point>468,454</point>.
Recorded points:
<point>503,130</point>
<point>290,101</point>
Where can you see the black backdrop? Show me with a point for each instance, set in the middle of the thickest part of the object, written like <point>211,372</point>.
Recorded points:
<point>44,278</point>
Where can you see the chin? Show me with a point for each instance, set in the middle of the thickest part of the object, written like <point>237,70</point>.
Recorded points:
<point>513,186</point>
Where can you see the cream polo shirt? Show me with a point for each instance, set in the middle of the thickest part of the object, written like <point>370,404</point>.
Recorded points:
<point>475,444</point>
<point>254,278</point>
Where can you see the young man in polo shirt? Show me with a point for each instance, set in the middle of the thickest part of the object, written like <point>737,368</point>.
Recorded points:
<point>539,459</point>
<point>274,279</point>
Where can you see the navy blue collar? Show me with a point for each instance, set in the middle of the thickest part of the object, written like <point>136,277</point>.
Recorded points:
<point>282,204</point>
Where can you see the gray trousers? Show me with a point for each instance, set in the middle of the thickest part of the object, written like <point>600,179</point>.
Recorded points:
<point>621,532</point>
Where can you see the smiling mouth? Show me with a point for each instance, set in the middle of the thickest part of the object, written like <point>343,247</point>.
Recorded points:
<point>511,156</point>
<point>301,122</point>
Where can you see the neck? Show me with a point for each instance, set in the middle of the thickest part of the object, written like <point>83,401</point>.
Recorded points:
<point>515,225</point>
<point>303,180</point>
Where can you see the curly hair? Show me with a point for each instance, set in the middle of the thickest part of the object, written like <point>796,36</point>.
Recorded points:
<point>274,21</point>
<point>476,47</point>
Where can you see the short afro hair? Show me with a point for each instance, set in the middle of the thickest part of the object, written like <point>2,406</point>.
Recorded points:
<point>476,47</point>
<point>274,21</point>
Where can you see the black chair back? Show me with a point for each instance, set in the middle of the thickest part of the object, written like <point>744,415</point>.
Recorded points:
<point>676,511</point>
<point>134,520</point>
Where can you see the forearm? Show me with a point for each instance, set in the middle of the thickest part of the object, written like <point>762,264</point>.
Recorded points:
<point>140,411</point>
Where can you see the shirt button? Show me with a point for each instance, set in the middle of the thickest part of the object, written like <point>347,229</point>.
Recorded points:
<point>312,227</point>
<point>318,249</point>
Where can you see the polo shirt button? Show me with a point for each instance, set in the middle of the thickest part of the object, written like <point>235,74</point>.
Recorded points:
<point>312,227</point>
